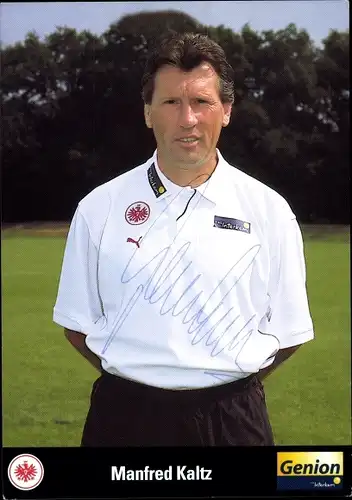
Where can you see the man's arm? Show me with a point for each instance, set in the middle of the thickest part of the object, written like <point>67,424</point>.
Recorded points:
<point>77,339</point>
<point>281,356</point>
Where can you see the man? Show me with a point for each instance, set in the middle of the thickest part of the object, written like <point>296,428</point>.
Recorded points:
<point>183,280</point>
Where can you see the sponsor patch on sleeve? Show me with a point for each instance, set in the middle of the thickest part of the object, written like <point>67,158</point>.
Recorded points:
<point>234,224</point>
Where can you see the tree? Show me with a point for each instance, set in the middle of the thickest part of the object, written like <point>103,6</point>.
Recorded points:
<point>153,24</point>
<point>73,114</point>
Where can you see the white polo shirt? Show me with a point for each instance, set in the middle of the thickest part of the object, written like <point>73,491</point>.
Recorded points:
<point>180,287</point>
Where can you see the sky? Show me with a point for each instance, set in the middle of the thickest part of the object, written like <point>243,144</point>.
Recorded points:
<point>316,16</point>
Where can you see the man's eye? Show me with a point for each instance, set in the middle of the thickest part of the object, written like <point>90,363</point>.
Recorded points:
<point>202,101</point>
<point>170,101</point>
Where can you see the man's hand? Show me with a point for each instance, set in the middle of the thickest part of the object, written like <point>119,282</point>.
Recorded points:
<point>78,340</point>
<point>281,356</point>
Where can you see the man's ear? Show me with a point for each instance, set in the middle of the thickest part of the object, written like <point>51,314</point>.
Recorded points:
<point>147,115</point>
<point>227,113</point>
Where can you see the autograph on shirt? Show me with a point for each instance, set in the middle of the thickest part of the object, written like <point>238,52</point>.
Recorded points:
<point>161,290</point>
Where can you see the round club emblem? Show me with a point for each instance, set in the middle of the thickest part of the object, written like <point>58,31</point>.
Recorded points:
<point>137,213</point>
<point>25,472</point>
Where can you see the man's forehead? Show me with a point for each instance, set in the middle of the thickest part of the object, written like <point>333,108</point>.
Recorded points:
<point>169,76</point>
<point>204,67</point>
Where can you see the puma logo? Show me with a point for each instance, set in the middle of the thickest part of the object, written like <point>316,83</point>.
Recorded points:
<point>131,240</point>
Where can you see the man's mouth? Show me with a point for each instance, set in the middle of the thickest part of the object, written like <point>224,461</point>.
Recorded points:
<point>188,139</point>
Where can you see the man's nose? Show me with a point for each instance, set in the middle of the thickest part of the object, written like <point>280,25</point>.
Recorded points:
<point>188,117</point>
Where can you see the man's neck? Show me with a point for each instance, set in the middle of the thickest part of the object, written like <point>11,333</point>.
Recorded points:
<point>192,176</point>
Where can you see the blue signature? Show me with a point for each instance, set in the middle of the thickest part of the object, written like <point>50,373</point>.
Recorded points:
<point>198,321</point>
<point>192,313</point>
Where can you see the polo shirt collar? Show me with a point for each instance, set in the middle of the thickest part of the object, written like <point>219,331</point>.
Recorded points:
<point>162,187</point>
<point>215,187</point>
<point>160,184</point>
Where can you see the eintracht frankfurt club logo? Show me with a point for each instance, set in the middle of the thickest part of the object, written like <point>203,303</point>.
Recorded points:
<point>25,472</point>
<point>137,213</point>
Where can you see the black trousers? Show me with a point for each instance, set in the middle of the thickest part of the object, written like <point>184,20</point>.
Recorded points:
<point>126,413</point>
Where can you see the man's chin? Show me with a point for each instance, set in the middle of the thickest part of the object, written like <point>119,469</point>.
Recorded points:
<point>192,159</point>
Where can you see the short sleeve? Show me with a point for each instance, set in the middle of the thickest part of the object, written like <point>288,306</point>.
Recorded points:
<point>78,306</point>
<point>288,317</point>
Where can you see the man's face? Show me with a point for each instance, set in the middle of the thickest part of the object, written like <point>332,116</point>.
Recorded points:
<point>186,115</point>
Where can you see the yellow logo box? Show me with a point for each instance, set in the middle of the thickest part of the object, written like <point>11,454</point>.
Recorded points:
<point>310,463</point>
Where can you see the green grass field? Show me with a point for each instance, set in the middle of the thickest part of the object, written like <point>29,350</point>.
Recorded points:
<point>46,384</point>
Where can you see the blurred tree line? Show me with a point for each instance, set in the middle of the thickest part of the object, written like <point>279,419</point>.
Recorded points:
<point>72,114</point>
